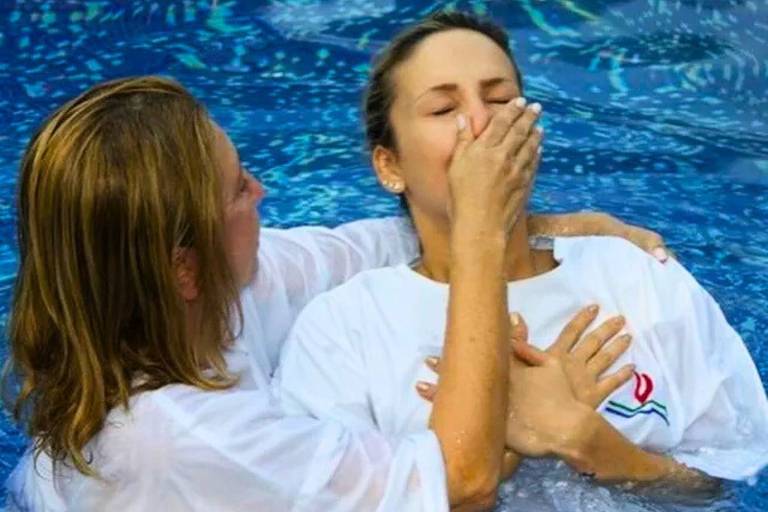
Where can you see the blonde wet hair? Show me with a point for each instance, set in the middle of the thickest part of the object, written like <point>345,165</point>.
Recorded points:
<point>111,187</point>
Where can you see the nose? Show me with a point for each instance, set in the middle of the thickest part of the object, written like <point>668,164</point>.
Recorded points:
<point>257,189</point>
<point>481,115</point>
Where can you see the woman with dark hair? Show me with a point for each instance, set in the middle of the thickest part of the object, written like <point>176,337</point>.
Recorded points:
<point>683,400</point>
<point>138,236</point>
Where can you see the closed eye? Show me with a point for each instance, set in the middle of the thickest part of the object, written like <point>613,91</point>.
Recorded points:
<point>243,182</point>
<point>442,111</point>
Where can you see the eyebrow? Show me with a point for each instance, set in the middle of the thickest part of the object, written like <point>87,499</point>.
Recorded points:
<point>450,87</point>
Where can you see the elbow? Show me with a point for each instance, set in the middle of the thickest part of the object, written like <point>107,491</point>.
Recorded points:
<point>472,489</point>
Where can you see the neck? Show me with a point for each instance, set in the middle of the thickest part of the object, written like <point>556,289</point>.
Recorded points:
<point>520,260</point>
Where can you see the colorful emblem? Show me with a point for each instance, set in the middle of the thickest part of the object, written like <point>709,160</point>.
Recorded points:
<point>643,390</point>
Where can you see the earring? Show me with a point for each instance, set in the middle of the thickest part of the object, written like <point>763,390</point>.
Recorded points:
<point>396,187</point>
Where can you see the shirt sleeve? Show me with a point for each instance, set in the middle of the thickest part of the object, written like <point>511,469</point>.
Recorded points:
<point>297,264</point>
<point>323,375</point>
<point>718,388</point>
<point>320,372</point>
<point>235,451</point>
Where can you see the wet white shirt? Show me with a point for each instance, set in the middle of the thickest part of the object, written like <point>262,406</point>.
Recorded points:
<point>356,353</point>
<point>182,449</point>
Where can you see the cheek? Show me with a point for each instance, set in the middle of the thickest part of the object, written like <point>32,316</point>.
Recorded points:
<point>241,229</point>
<point>428,148</point>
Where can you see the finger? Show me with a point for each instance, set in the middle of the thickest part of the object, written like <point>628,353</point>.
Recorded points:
<point>574,330</point>
<point>522,128</point>
<point>501,122</point>
<point>520,174</point>
<point>608,354</point>
<point>590,345</point>
<point>426,390</point>
<point>527,353</point>
<point>433,362</point>
<point>649,241</point>
<point>610,383</point>
<point>534,166</point>
<point>509,462</point>
<point>518,328</point>
<point>464,135</point>
<point>528,173</point>
<point>661,253</point>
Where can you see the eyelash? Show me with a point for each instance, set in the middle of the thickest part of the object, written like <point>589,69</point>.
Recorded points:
<point>447,110</point>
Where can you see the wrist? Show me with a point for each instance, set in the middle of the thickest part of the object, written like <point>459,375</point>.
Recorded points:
<point>598,449</point>
<point>475,234</point>
<point>483,253</point>
<point>581,431</point>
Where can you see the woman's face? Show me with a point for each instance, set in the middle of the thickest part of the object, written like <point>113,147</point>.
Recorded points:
<point>451,72</point>
<point>242,195</point>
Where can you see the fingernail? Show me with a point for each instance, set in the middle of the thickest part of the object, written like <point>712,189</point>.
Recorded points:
<point>515,319</point>
<point>535,107</point>
<point>432,361</point>
<point>422,386</point>
<point>461,122</point>
<point>540,130</point>
<point>660,254</point>
<point>519,102</point>
<point>538,150</point>
<point>593,308</point>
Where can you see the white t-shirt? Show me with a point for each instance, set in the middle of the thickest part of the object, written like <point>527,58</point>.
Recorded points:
<point>182,449</point>
<point>356,352</point>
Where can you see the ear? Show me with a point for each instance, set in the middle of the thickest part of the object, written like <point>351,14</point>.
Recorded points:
<point>187,268</point>
<point>388,170</point>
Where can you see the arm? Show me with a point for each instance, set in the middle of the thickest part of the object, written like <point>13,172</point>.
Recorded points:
<point>594,223</point>
<point>602,451</point>
<point>584,362</point>
<point>471,400</point>
<point>469,413</point>
<point>295,265</point>
<point>546,419</point>
<point>310,260</point>
<point>222,455</point>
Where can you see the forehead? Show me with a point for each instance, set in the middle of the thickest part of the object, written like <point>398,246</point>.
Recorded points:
<point>452,56</point>
<point>227,159</point>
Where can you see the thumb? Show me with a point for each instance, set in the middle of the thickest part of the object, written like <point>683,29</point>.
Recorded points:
<point>464,135</point>
<point>527,353</point>
<point>518,330</point>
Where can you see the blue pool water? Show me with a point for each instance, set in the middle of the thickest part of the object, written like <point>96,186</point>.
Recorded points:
<point>655,111</point>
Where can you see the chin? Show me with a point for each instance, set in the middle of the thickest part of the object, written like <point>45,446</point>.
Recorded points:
<point>254,270</point>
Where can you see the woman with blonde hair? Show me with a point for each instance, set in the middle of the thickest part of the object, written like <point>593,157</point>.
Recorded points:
<point>144,326</point>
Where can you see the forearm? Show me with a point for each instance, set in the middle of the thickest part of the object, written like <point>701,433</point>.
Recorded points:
<point>469,413</point>
<point>573,224</point>
<point>611,458</point>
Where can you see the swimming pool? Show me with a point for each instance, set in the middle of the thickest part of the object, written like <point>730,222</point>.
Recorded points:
<point>655,111</point>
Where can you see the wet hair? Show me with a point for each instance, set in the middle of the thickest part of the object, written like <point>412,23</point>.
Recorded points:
<point>380,92</point>
<point>111,187</point>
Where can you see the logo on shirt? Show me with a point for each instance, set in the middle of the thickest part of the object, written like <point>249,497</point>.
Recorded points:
<point>643,391</point>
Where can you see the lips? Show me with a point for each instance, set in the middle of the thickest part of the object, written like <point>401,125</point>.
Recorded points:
<point>643,387</point>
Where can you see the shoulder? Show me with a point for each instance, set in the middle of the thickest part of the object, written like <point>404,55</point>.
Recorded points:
<point>633,277</point>
<point>352,295</point>
<point>618,261</point>
<point>602,249</point>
